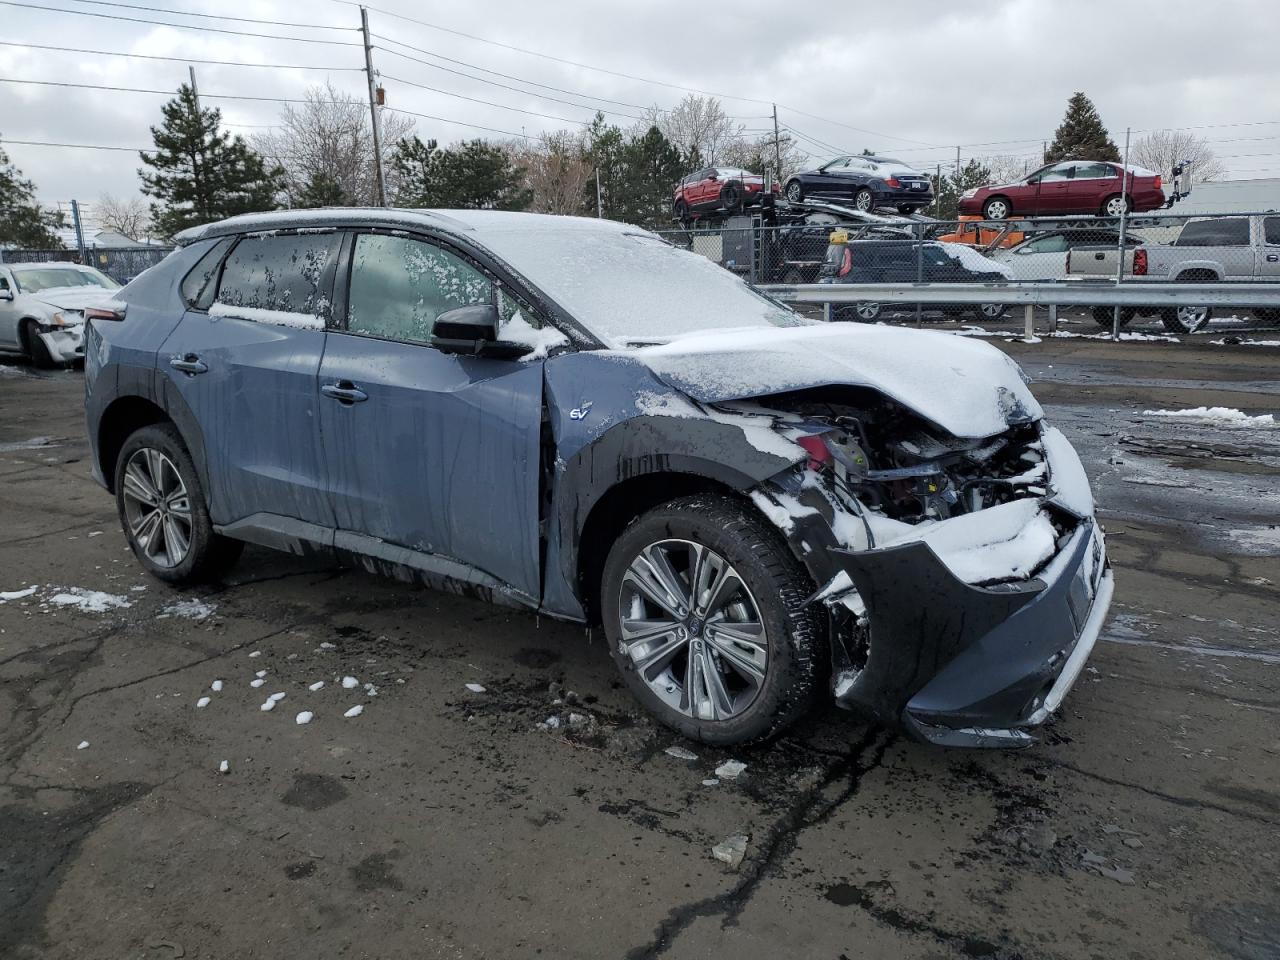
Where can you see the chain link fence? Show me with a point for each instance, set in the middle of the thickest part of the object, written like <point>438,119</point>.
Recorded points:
<point>121,264</point>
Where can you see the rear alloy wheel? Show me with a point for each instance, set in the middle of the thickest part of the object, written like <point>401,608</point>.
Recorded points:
<point>162,509</point>
<point>795,192</point>
<point>1185,319</point>
<point>991,311</point>
<point>997,208</point>
<point>1116,206</point>
<point>862,200</point>
<point>868,311</point>
<point>704,610</point>
<point>731,197</point>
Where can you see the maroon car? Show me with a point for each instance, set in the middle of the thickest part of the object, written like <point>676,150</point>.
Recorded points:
<point>717,188</point>
<point>1071,187</point>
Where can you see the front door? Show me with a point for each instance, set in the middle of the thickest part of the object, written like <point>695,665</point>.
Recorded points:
<point>1269,250</point>
<point>246,368</point>
<point>9,335</point>
<point>431,452</point>
<point>1054,192</point>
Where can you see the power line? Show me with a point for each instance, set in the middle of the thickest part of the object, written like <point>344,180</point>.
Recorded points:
<point>164,93</point>
<point>488,103</point>
<point>152,56</point>
<point>177,26</point>
<point>475,126</point>
<point>208,16</point>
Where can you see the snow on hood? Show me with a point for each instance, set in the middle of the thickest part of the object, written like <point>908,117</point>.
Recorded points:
<point>73,298</point>
<point>968,388</point>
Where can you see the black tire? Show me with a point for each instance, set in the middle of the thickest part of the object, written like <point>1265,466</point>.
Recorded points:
<point>794,635</point>
<point>863,200</point>
<point>1103,316</point>
<point>1269,315</point>
<point>905,209</point>
<point>209,554</point>
<point>36,350</point>
<point>997,208</point>
<point>731,196</point>
<point>794,191</point>
<point>680,210</point>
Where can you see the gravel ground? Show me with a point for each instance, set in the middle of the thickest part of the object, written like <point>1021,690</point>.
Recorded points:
<point>448,821</point>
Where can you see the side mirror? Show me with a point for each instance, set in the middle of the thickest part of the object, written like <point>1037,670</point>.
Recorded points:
<point>473,331</point>
<point>6,294</point>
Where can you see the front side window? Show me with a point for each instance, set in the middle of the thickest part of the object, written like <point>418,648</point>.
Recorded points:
<point>399,286</point>
<point>1272,227</point>
<point>281,273</point>
<point>1226,232</point>
<point>1055,243</point>
<point>1095,171</point>
<point>1062,171</point>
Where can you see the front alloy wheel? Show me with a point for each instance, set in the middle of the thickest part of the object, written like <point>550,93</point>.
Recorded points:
<point>795,193</point>
<point>863,200</point>
<point>692,629</point>
<point>704,610</point>
<point>157,507</point>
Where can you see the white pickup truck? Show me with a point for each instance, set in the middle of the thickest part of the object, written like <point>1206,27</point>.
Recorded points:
<point>1208,250</point>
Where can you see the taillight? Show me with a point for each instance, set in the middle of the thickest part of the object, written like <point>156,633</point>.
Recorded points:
<point>1140,262</point>
<point>892,182</point>
<point>846,262</point>
<point>1159,182</point>
<point>104,313</point>
<point>819,455</point>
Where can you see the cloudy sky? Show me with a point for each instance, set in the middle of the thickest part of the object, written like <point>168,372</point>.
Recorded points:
<point>915,79</point>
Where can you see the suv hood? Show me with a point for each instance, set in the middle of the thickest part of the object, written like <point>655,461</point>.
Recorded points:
<point>968,388</point>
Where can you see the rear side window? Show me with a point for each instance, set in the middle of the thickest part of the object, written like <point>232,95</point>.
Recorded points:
<point>285,273</point>
<point>197,288</point>
<point>1272,227</point>
<point>1095,171</point>
<point>400,285</point>
<point>1227,232</point>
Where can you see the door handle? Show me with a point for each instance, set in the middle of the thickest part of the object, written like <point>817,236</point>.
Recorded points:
<point>189,364</point>
<point>1273,257</point>
<point>344,391</point>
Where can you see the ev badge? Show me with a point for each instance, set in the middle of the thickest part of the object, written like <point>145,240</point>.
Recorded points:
<point>580,413</point>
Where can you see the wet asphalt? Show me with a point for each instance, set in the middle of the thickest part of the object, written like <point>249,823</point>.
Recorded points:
<point>443,822</point>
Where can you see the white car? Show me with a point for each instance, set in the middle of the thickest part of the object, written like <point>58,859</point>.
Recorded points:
<point>42,309</point>
<point>1044,256</point>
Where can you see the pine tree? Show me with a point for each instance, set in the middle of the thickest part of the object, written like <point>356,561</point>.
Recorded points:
<point>321,190</point>
<point>604,146</point>
<point>972,174</point>
<point>22,222</point>
<point>1081,135</point>
<point>475,175</point>
<point>651,166</point>
<point>200,173</point>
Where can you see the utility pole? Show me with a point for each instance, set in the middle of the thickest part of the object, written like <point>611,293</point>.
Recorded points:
<point>777,147</point>
<point>75,218</point>
<point>373,109</point>
<point>1124,222</point>
<point>957,165</point>
<point>599,196</point>
<point>195,91</point>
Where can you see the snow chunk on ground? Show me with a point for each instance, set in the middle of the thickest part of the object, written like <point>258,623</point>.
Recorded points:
<point>257,683</point>
<point>224,767</point>
<point>355,711</point>
<point>202,702</point>
<point>276,696</point>
<point>730,769</point>
<point>16,594</point>
<point>90,601</point>
<point>82,745</point>
<point>303,717</point>
<point>475,688</point>
<point>350,683</point>
<point>216,686</point>
<point>261,673</point>
<point>1223,415</point>
<point>256,653</point>
<point>191,609</point>
<point>680,753</point>
<point>316,686</point>
<point>540,340</point>
<point>269,705</point>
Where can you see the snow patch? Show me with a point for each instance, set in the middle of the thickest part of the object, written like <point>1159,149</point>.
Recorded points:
<point>540,340</point>
<point>16,594</point>
<point>782,509</point>
<point>680,753</point>
<point>202,703</point>
<point>279,318</point>
<point>350,683</point>
<point>303,717</point>
<point>475,688</point>
<point>224,767</point>
<point>90,601</point>
<point>190,609</point>
<point>355,711</point>
<point>1222,415</point>
<point>216,686</point>
<point>82,745</point>
<point>730,770</point>
<point>316,686</point>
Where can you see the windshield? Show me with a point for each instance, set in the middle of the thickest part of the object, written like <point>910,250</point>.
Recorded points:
<point>629,286</point>
<point>33,280</point>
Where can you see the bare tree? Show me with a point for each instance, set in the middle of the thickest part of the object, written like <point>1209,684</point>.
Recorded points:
<point>758,156</point>
<point>1161,150</point>
<point>698,127</point>
<point>330,135</point>
<point>556,170</point>
<point>128,215</point>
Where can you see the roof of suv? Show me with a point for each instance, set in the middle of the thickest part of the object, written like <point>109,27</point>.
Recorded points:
<point>478,221</point>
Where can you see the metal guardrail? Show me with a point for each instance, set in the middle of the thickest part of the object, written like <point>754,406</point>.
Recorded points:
<point>1055,293</point>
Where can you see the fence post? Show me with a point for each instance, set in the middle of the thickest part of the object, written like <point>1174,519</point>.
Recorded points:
<point>826,312</point>
<point>1053,318</point>
<point>919,232</point>
<point>1029,323</point>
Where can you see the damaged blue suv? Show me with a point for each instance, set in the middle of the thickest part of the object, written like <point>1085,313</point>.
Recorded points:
<point>571,416</point>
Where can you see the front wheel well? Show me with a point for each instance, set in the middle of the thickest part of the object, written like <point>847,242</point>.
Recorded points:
<point>621,504</point>
<point>118,423</point>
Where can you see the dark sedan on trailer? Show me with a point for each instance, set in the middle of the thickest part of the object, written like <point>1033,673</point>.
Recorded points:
<point>571,416</point>
<point>865,181</point>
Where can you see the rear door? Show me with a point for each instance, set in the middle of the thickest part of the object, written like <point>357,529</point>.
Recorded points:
<point>429,451</point>
<point>1269,250</point>
<point>1092,183</point>
<point>246,366</point>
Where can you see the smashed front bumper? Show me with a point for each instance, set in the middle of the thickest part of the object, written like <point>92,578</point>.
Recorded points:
<point>64,344</point>
<point>962,665</point>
